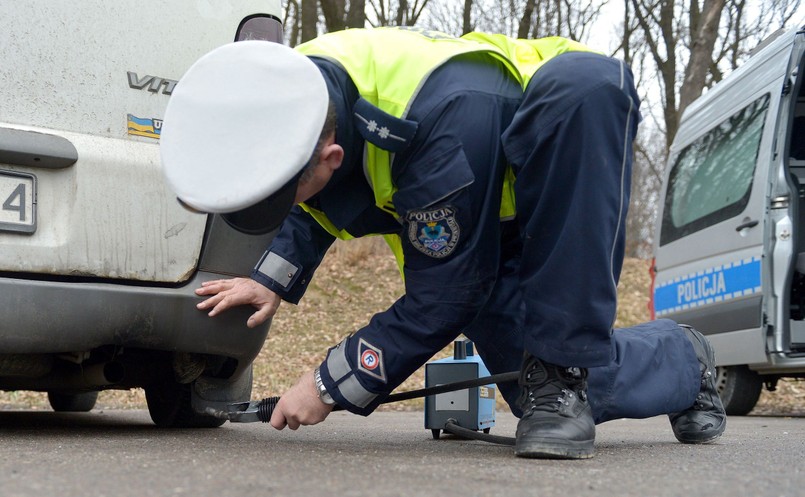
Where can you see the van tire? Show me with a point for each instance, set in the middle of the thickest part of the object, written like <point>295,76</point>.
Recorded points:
<point>739,389</point>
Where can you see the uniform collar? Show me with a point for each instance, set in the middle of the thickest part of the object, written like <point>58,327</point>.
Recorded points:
<point>348,193</point>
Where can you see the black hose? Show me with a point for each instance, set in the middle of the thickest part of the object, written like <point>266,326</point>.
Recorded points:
<point>266,406</point>
<point>452,427</point>
<point>452,387</point>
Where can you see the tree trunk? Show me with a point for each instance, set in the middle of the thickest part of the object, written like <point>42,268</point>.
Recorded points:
<point>466,25</point>
<point>310,18</point>
<point>356,17</point>
<point>525,21</point>
<point>401,13</point>
<point>701,52</point>
<point>333,11</point>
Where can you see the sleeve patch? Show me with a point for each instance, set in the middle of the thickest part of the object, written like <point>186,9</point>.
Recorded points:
<point>434,232</point>
<point>370,360</point>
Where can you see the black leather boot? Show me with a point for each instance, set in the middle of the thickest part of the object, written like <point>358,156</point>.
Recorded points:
<point>706,419</point>
<point>557,421</point>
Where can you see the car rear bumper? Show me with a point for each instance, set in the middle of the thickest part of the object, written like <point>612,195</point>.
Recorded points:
<point>60,316</point>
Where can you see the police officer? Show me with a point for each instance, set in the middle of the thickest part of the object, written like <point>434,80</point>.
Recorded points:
<point>398,132</point>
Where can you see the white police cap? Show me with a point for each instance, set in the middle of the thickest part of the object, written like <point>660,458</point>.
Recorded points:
<point>240,126</point>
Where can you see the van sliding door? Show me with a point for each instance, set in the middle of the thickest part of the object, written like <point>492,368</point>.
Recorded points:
<point>792,136</point>
<point>711,238</point>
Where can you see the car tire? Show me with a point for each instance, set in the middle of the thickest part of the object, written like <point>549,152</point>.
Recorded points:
<point>739,389</point>
<point>169,404</point>
<point>77,402</point>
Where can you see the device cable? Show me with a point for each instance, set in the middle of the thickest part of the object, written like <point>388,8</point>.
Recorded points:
<point>266,406</point>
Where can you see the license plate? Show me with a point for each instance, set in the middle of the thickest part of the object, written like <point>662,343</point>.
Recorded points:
<point>17,202</point>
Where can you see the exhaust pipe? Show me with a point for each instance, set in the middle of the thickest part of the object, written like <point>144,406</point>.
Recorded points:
<point>107,373</point>
<point>75,378</point>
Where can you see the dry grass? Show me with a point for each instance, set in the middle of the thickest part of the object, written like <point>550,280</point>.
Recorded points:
<point>356,280</point>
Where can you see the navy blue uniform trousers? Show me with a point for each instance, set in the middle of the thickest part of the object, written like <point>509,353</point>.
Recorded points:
<point>570,144</point>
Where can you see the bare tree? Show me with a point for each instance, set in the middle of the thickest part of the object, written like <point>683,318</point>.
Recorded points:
<point>356,17</point>
<point>292,22</point>
<point>569,18</point>
<point>396,12</point>
<point>678,49</point>
<point>530,19</point>
<point>647,176</point>
<point>703,34</point>
<point>691,44</point>
<point>338,14</point>
<point>449,16</point>
<point>301,21</point>
<point>310,20</point>
<point>466,16</point>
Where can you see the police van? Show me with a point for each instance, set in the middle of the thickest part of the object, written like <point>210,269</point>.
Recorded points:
<point>729,253</point>
<point>98,260</point>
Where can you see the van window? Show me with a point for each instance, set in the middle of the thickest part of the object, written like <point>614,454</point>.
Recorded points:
<point>712,177</point>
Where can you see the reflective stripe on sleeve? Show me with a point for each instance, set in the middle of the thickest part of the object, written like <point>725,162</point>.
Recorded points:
<point>345,379</point>
<point>353,391</point>
<point>337,363</point>
<point>278,269</point>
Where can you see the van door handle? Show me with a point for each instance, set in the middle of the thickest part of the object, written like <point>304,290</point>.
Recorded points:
<point>747,224</point>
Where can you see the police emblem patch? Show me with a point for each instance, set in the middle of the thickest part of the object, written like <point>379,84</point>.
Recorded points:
<point>370,360</point>
<point>434,232</point>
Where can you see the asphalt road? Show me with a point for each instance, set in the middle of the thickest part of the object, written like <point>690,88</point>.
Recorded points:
<point>120,453</point>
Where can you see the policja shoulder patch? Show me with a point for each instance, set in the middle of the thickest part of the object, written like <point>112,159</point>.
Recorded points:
<point>434,232</point>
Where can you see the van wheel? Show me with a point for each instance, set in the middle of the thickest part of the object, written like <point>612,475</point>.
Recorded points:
<point>78,402</point>
<point>169,406</point>
<point>739,389</point>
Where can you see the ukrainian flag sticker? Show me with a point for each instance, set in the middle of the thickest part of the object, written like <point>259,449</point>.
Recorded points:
<point>148,127</point>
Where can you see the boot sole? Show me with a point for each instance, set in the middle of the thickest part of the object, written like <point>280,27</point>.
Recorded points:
<point>700,441</point>
<point>713,435</point>
<point>555,449</point>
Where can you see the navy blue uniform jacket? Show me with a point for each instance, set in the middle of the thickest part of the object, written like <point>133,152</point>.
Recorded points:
<point>449,177</point>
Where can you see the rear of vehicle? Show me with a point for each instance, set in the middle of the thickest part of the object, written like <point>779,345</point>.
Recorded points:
<point>732,223</point>
<point>98,261</point>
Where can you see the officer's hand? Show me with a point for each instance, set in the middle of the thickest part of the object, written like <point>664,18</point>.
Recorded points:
<point>239,291</point>
<point>300,405</point>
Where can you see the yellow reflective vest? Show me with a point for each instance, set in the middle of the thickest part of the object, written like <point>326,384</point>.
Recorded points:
<point>528,55</point>
<point>381,66</point>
